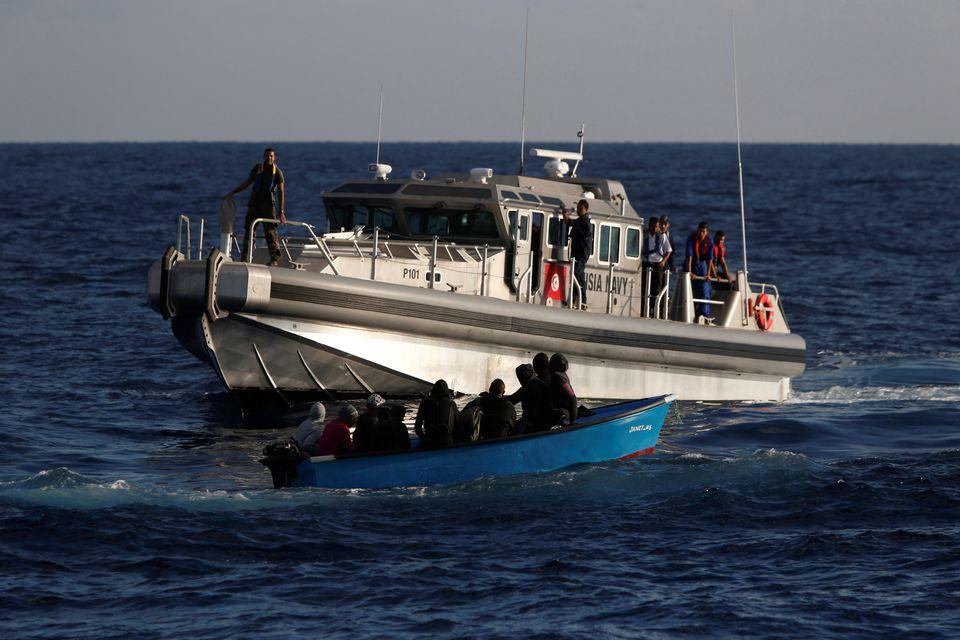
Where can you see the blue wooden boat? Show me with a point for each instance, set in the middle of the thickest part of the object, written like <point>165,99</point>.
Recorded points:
<point>614,432</point>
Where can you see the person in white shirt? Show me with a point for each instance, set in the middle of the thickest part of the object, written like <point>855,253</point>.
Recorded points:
<point>311,428</point>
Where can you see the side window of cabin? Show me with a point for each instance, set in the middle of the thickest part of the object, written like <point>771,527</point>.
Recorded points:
<point>524,228</point>
<point>609,249</point>
<point>593,234</point>
<point>512,221</point>
<point>632,247</point>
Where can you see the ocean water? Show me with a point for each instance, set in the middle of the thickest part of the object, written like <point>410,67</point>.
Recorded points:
<point>132,503</point>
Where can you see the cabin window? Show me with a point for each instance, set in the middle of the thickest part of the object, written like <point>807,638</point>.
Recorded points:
<point>452,223</point>
<point>557,233</point>
<point>524,228</point>
<point>557,202</point>
<point>347,215</point>
<point>609,249</point>
<point>632,247</point>
<point>529,197</point>
<point>509,195</point>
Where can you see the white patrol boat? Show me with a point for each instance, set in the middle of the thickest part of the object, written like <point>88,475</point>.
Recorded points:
<point>464,277</point>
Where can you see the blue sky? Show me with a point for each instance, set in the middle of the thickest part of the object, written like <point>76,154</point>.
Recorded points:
<point>810,71</point>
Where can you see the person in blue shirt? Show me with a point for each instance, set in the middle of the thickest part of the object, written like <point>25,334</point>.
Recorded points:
<point>699,262</point>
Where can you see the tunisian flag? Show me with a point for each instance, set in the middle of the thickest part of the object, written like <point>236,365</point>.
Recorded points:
<point>555,281</point>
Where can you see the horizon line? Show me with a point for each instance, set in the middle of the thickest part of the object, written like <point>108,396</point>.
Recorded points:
<point>469,141</point>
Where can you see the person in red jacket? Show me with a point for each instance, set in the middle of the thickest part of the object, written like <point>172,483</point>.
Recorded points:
<point>335,439</point>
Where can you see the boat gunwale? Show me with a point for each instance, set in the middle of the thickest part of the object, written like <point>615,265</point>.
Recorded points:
<point>654,401</point>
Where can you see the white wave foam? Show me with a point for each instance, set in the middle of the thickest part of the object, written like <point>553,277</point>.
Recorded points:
<point>838,394</point>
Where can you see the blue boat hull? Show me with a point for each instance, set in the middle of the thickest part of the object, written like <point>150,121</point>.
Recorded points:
<point>615,432</point>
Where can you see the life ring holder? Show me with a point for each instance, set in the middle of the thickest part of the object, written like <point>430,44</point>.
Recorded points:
<point>763,312</point>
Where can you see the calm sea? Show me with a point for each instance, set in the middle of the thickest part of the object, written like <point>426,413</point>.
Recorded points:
<point>132,503</point>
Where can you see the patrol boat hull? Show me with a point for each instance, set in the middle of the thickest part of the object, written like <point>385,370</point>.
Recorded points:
<point>615,432</point>
<point>277,337</point>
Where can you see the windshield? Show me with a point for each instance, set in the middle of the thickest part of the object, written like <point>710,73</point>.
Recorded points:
<point>347,215</point>
<point>447,223</point>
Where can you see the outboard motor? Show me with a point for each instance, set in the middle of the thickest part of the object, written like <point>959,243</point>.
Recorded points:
<point>283,457</point>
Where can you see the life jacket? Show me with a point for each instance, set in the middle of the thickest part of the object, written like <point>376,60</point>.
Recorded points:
<point>701,248</point>
<point>258,182</point>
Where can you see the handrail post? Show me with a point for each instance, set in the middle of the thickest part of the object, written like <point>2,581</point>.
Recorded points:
<point>183,218</point>
<point>200,241</point>
<point>483,271</point>
<point>529,276</point>
<point>610,270</point>
<point>373,254</point>
<point>573,276</point>
<point>433,261</point>
<point>666,304</point>
<point>645,306</point>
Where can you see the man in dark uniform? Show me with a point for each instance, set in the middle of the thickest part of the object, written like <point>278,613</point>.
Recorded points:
<point>267,180</point>
<point>581,244</point>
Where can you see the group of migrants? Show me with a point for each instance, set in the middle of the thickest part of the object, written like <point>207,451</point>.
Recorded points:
<point>545,395</point>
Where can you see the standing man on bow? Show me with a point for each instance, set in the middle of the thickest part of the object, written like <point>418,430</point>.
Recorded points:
<point>267,181</point>
<point>581,244</point>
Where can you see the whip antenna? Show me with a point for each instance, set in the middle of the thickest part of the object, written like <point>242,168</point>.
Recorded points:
<point>743,223</point>
<point>523,98</point>
<point>736,99</point>
<point>379,122</point>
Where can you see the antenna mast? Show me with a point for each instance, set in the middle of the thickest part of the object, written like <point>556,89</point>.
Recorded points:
<point>379,122</point>
<point>736,98</point>
<point>523,99</point>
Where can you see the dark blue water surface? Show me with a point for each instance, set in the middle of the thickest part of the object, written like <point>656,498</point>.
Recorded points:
<point>132,503</point>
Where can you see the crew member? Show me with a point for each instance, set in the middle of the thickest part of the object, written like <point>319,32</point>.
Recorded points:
<point>267,181</point>
<point>581,245</point>
<point>699,262</point>
<point>720,260</point>
<point>653,261</point>
<point>665,231</point>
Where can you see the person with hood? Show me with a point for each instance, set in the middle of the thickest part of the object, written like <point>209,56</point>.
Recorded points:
<point>533,399</point>
<point>563,400</point>
<point>436,417</point>
<point>363,434</point>
<point>541,367</point>
<point>390,434</point>
<point>310,429</point>
<point>335,439</point>
<point>499,415</point>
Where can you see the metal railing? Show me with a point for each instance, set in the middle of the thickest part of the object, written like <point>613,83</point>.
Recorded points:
<point>183,225</point>
<point>321,245</point>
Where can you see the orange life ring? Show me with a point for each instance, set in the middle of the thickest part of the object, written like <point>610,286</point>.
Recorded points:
<point>763,311</point>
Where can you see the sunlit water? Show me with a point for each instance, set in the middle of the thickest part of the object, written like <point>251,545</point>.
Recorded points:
<point>132,503</point>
